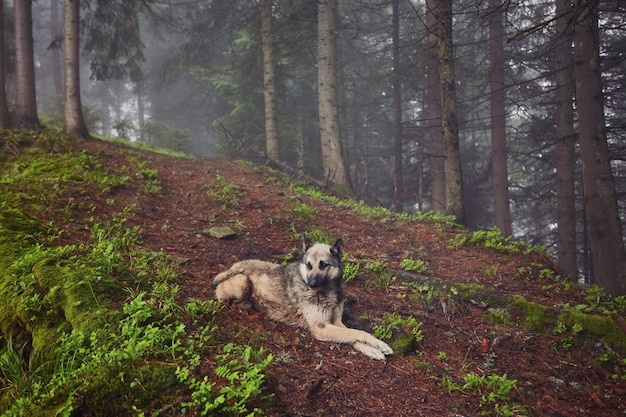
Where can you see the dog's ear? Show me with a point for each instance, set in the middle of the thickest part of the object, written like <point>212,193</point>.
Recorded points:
<point>337,248</point>
<point>306,243</point>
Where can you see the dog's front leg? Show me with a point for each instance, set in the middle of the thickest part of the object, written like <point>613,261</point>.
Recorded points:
<point>359,339</point>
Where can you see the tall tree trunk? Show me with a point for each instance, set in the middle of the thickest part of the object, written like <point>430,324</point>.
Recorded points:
<point>608,255</point>
<point>500,174</point>
<point>398,181</point>
<point>449,117</point>
<point>74,121</point>
<point>5,117</point>
<point>435,141</point>
<point>25,92</point>
<point>57,56</point>
<point>269,85</point>
<point>334,167</point>
<point>565,136</point>
<point>141,109</point>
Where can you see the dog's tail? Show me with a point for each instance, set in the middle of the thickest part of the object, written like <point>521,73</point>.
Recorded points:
<point>221,277</point>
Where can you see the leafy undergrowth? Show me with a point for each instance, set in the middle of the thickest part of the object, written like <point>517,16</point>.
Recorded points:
<point>107,308</point>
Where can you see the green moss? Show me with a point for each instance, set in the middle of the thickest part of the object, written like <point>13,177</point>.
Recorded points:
<point>14,221</point>
<point>601,326</point>
<point>498,315</point>
<point>403,344</point>
<point>536,317</point>
<point>542,318</point>
<point>139,384</point>
<point>466,290</point>
<point>41,297</point>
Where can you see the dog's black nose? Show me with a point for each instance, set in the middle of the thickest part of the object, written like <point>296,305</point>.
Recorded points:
<point>315,283</point>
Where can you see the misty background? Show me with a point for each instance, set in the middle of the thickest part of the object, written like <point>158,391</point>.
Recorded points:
<point>192,80</point>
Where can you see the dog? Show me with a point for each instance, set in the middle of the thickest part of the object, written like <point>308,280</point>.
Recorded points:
<point>306,294</point>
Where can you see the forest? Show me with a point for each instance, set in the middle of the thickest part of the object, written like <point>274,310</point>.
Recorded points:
<point>506,114</point>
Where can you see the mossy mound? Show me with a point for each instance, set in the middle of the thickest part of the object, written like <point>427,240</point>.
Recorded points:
<point>542,318</point>
<point>43,293</point>
<point>403,344</point>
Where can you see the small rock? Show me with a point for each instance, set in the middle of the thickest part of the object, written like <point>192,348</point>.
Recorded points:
<point>179,259</point>
<point>221,232</point>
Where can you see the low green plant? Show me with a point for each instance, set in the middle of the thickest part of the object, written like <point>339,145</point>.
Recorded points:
<point>411,265</point>
<point>242,368</point>
<point>494,393</point>
<point>492,238</point>
<point>424,292</point>
<point>597,302</point>
<point>350,268</point>
<point>149,175</point>
<point>380,212</point>
<point>302,211</point>
<point>492,271</point>
<point>499,315</point>
<point>318,236</point>
<point>410,325</point>
<point>566,343</point>
<point>382,276</point>
<point>226,194</point>
<point>618,364</point>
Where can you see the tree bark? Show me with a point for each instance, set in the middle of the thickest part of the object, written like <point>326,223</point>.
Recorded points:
<point>608,255</point>
<point>25,92</point>
<point>5,117</point>
<point>565,136</point>
<point>74,121</point>
<point>500,174</point>
<point>141,109</point>
<point>449,117</point>
<point>335,171</point>
<point>398,181</point>
<point>269,85</point>
<point>435,143</point>
<point>56,53</point>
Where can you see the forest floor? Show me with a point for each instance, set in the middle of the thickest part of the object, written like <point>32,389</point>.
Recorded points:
<point>556,373</point>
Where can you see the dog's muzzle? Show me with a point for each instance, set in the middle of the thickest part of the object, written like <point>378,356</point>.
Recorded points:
<point>316,282</point>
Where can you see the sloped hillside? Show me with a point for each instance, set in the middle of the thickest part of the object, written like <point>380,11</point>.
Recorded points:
<point>124,240</point>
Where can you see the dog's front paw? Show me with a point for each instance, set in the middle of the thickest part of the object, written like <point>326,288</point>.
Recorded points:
<point>384,347</point>
<point>369,350</point>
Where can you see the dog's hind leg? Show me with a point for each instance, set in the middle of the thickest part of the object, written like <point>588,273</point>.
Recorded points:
<point>236,288</point>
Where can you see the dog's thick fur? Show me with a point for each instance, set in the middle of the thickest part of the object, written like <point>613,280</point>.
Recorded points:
<point>308,294</point>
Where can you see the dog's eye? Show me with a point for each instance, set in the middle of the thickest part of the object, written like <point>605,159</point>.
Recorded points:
<point>309,266</point>
<point>323,265</point>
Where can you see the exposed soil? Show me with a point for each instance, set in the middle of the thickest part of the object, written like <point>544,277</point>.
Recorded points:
<point>311,378</point>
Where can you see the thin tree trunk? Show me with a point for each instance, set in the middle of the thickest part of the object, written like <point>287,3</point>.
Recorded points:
<point>5,117</point>
<point>269,86</point>
<point>57,56</point>
<point>449,117</point>
<point>435,141</point>
<point>565,136</point>
<point>499,171</point>
<point>141,109</point>
<point>398,196</point>
<point>25,92</point>
<point>335,171</point>
<point>74,121</point>
<point>608,255</point>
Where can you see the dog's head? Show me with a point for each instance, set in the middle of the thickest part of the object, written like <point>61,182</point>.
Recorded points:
<point>321,263</point>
